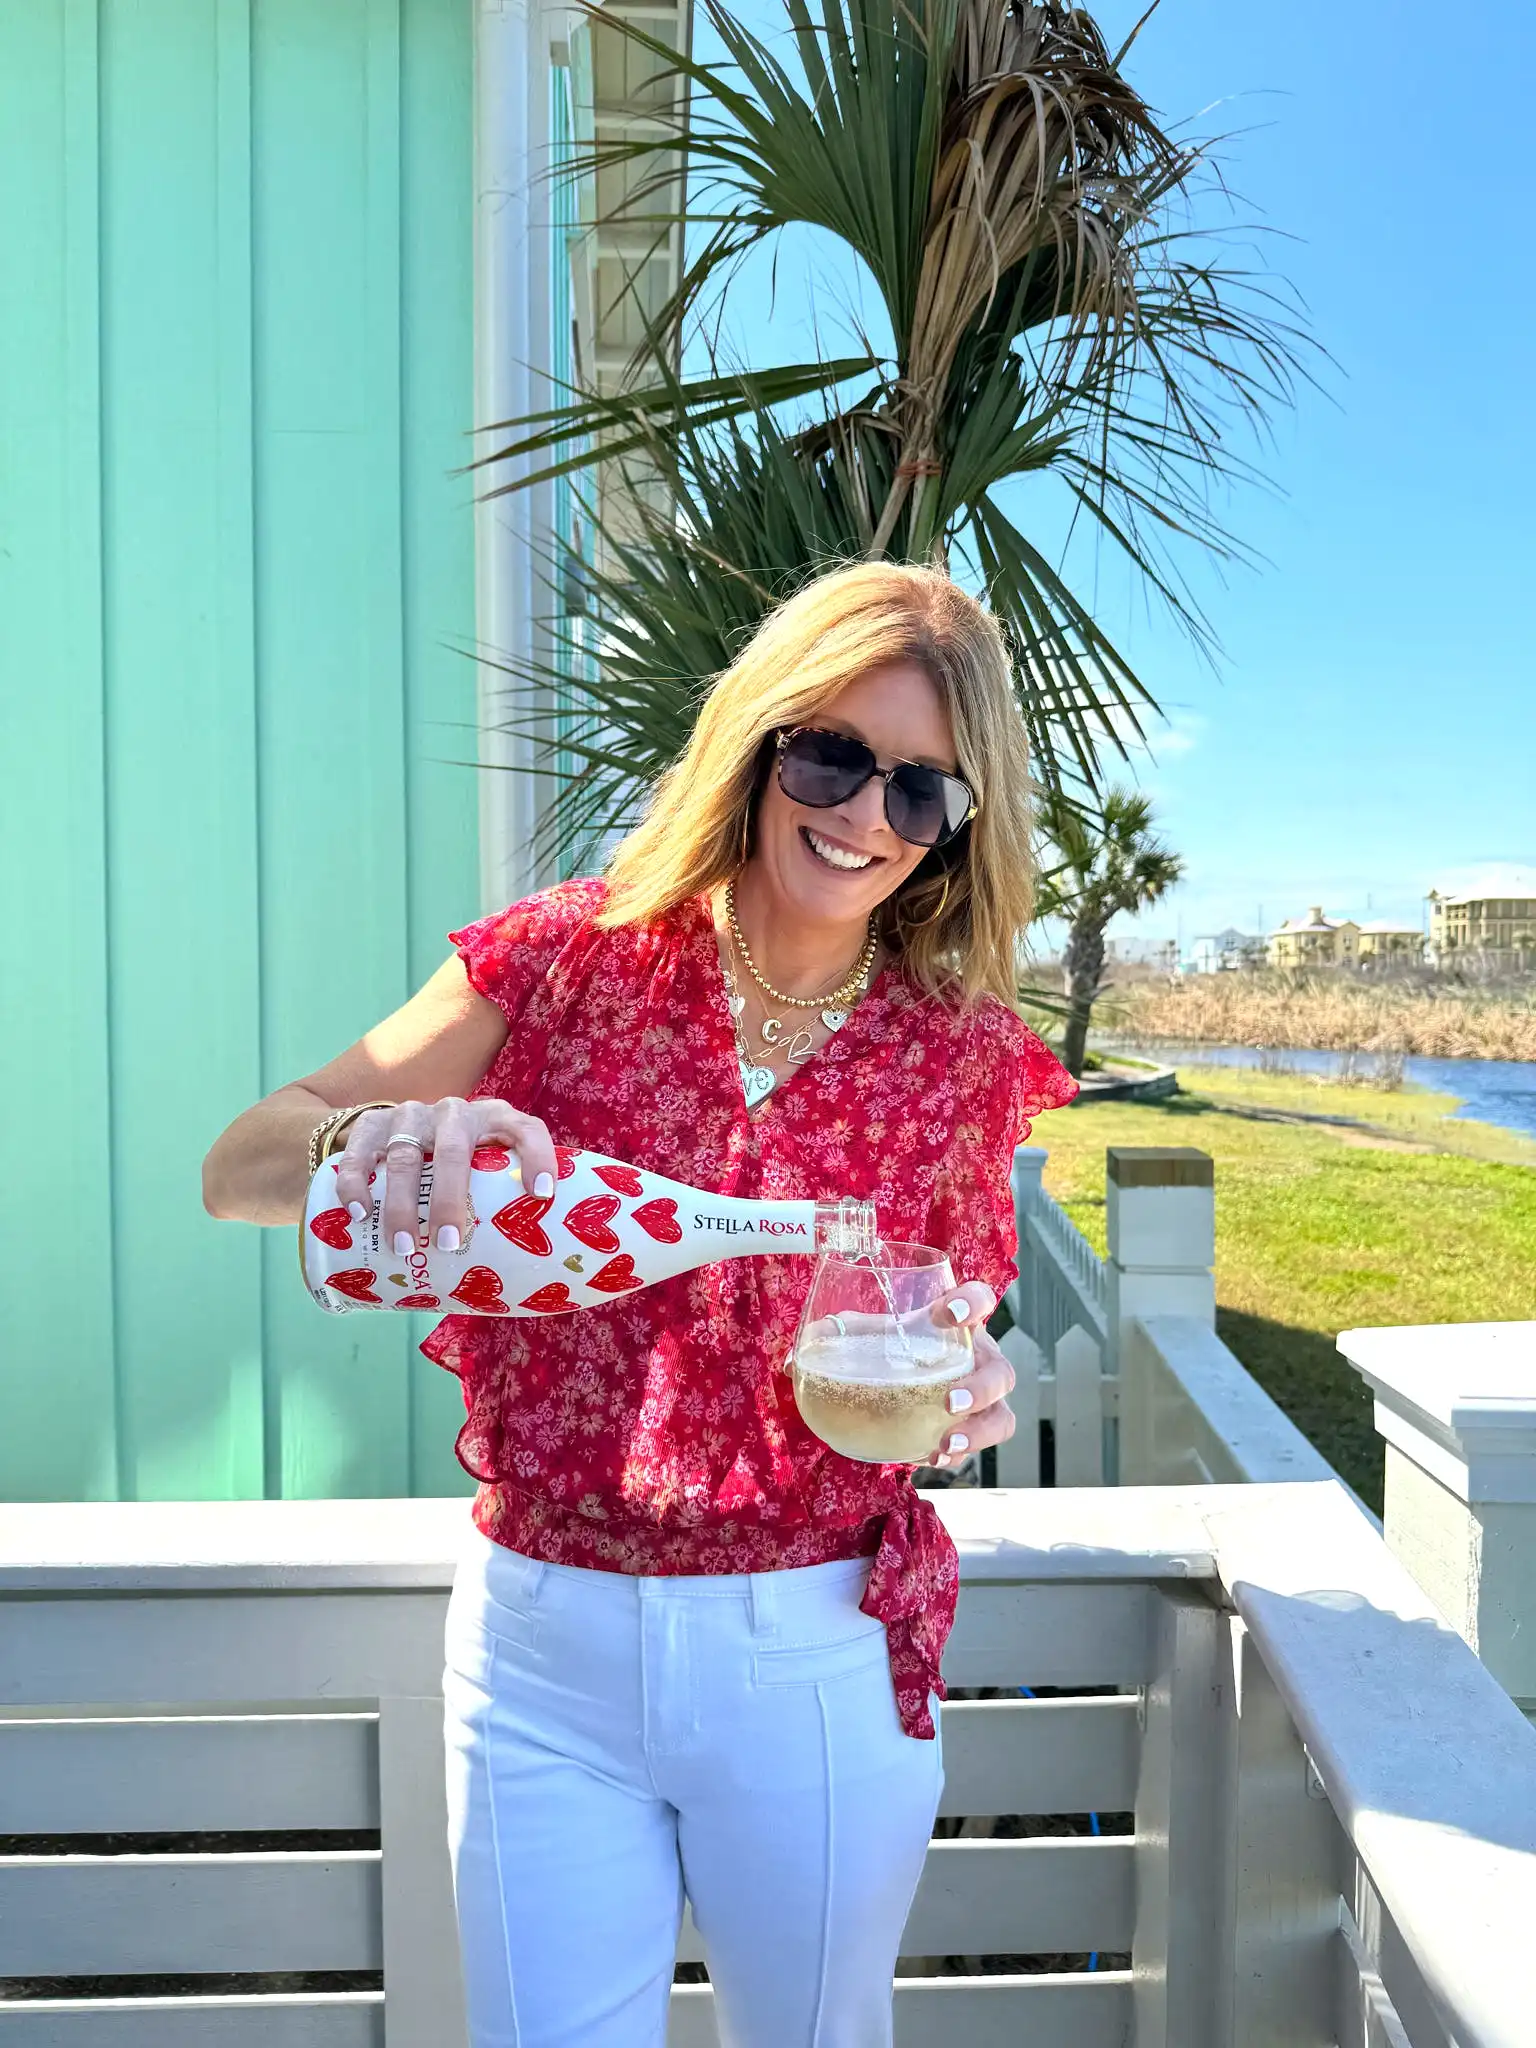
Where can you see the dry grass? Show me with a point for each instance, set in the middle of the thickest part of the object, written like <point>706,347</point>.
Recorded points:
<point>1324,1014</point>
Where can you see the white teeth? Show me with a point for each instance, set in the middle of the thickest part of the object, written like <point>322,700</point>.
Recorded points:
<point>837,856</point>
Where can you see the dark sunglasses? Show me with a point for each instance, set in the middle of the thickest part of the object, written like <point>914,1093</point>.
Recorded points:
<point>923,805</point>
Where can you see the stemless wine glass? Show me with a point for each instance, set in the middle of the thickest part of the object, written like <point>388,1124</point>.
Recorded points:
<point>876,1352</point>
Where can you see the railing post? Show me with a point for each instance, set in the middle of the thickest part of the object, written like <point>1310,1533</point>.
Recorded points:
<point>1456,1404</point>
<point>1281,1863</point>
<point>423,1991</point>
<point>1160,1204</point>
<point>1028,1169</point>
<point>1175,1956</point>
<point>1160,1212</point>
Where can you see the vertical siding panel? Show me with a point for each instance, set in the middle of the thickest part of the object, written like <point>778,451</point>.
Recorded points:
<point>384,315</point>
<point>182,910</point>
<point>58,1437</point>
<point>437,373</point>
<point>235,600</point>
<point>332,823</point>
<point>236,577</point>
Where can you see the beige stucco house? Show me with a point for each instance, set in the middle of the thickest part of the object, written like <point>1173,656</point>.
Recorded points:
<point>1482,924</point>
<point>1314,941</point>
<point>1384,940</point>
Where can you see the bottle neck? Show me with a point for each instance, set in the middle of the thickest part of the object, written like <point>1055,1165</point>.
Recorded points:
<point>846,1227</point>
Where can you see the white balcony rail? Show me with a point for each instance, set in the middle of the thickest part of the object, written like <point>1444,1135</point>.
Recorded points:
<point>1456,1405</point>
<point>1191,1414</point>
<point>1121,1354</point>
<point>1333,1834</point>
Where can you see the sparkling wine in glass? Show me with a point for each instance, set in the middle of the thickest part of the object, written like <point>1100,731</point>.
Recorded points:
<point>877,1352</point>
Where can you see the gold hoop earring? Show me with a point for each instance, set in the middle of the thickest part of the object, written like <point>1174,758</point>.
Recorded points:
<point>917,924</point>
<point>746,834</point>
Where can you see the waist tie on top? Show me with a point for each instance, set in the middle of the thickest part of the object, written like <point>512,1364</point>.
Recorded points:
<point>913,1586</point>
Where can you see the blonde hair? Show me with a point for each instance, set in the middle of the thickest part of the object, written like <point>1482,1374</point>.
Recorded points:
<point>696,829</point>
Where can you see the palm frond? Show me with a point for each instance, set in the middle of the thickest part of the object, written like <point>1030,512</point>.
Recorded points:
<point>1055,311</point>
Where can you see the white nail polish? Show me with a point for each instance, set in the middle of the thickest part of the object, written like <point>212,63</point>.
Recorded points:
<point>356,1211</point>
<point>405,1244</point>
<point>961,1399</point>
<point>960,1309</point>
<point>941,1459</point>
<point>958,1444</point>
<point>544,1186</point>
<point>448,1239</point>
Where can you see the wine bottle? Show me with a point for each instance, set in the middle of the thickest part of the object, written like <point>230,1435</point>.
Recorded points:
<point>607,1230</point>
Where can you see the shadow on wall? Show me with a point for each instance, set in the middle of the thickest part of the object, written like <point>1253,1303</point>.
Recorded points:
<point>1326,1399</point>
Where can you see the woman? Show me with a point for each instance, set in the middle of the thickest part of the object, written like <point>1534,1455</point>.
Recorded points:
<point>690,1647</point>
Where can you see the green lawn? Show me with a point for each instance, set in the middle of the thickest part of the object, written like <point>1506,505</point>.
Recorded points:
<point>1323,1226</point>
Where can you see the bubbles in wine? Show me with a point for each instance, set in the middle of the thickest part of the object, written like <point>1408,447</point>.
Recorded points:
<point>871,1401</point>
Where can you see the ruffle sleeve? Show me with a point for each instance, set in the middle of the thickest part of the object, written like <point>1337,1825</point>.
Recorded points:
<point>509,954</point>
<point>1011,1077</point>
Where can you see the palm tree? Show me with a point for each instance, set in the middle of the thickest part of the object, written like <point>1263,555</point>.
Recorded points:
<point>1105,863</point>
<point>1051,314</point>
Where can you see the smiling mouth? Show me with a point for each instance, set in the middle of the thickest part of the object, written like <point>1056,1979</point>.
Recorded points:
<point>841,859</point>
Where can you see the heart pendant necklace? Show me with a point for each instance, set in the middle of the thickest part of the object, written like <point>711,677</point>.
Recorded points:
<point>757,1083</point>
<point>759,1080</point>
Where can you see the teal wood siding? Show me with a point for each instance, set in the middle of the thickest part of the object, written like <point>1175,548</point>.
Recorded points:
<point>236,587</point>
<point>574,637</point>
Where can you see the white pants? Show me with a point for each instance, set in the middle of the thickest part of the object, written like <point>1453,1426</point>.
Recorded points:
<point>615,1742</point>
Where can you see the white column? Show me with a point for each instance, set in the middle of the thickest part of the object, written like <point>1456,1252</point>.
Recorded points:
<point>511,349</point>
<point>1160,1214</point>
<point>1456,1405</point>
<point>1161,1218</point>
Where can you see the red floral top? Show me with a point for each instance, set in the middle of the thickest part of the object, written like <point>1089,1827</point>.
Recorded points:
<point>659,1434</point>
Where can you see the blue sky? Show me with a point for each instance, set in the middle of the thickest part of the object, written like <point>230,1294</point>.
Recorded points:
<point>1370,730</point>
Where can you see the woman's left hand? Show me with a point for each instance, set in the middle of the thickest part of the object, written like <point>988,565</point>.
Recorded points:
<point>978,1402</point>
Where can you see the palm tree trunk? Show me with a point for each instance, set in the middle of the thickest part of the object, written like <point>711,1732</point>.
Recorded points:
<point>1082,973</point>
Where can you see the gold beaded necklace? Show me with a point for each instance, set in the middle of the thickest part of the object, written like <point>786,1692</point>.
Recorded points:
<point>758,1080</point>
<point>846,987</point>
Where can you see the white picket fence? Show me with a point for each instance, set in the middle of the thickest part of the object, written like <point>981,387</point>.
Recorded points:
<point>1334,1805</point>
<point>1061,1283</point>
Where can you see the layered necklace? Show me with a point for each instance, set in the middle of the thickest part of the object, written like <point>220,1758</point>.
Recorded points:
<point>795,1041</point>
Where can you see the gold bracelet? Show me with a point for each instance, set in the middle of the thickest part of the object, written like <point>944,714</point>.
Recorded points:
<point>323,1138</point>
<point>319,1135</point>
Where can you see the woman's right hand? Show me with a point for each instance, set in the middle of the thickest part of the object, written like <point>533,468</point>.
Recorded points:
<point>448,1132</point>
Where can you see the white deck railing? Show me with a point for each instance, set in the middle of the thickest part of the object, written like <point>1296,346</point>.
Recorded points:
<point>1120,1354</point>
<point>1456,1405</point>
<point>1334,1804</point>
<point>1061,1276</point>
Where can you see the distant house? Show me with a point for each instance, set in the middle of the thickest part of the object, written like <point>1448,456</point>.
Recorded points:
<point>1314,941</point>
<point>1224,952</point>
<point>1482,924</point>
<point>1383,941</point>
<point>1163,953</point>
